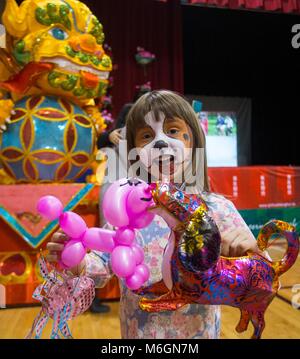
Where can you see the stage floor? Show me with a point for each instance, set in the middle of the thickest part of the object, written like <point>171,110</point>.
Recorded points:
<point>282,321</point>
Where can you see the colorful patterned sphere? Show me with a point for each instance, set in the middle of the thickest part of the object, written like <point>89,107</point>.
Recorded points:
<point>49,140</point>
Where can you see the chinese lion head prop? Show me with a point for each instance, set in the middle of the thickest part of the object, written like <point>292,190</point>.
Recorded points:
<point>53,72</point>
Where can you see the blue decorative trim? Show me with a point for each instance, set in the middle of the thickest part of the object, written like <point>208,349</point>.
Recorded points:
<point>36,241</point>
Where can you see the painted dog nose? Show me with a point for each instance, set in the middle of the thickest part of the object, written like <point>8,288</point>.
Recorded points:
<point>160,144</point>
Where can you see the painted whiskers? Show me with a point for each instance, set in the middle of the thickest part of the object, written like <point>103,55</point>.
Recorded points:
<point>198,274</point>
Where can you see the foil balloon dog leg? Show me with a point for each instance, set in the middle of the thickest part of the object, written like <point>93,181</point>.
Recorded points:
<point>194,271</point>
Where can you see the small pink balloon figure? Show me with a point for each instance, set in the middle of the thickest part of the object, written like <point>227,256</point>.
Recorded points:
<point>125,207</point>
<point>63,297</point>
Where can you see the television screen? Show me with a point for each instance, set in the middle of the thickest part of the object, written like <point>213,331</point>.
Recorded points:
<point>226,122</point>
<point>221,137</point>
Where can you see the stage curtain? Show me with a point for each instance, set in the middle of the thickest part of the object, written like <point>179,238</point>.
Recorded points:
<point>153,25</point>
<point>286,6</point>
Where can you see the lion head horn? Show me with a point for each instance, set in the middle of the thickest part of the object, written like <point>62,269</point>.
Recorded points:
<point>14,18</point>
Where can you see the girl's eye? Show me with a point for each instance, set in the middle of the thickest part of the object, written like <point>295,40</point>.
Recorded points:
<point>58,33</point>
<point>146,136</point>
<point>172,131</point>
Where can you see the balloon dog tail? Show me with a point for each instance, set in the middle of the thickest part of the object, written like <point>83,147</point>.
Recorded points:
<point>280,229</point>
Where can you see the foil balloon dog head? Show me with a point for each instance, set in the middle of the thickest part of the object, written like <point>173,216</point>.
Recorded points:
<point>194,271</point>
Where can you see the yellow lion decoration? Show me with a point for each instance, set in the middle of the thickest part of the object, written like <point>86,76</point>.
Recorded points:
<point>54,47</point>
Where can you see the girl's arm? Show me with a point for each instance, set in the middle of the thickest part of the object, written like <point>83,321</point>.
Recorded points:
<point>237,238</point>
<point>95,264</point>
<point>97,267</point>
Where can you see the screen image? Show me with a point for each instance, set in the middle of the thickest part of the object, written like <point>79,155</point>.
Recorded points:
<point>221,137</point>
<point>226,122</point>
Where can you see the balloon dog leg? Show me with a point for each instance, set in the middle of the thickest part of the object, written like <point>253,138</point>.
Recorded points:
<point>173,300</point>
<point>258,321</point>
<point>256,316</point>
<point>244,321</point>
<point>158,288</point>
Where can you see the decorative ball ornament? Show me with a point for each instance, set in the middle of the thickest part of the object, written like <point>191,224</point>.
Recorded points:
<point>49,139</point>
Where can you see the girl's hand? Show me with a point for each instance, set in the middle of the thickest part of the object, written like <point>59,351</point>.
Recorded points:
<point>56,246</point>
<point>115,136</point>
<point>237,242</point>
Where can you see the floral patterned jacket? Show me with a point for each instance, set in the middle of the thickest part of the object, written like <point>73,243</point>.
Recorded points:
<point>193,321</point>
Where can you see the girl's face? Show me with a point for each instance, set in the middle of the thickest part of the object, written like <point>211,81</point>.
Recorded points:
<point>164,146</point>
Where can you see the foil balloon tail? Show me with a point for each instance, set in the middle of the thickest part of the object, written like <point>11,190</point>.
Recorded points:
<point>200,275</point>
<point>63,297</point>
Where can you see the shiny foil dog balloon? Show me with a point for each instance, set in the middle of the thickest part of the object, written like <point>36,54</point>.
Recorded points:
<point>194,272</point>
<point>53,73</point>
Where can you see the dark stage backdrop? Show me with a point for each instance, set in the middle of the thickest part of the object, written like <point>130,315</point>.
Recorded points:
<point>248,54</point>
<point>154,25</point>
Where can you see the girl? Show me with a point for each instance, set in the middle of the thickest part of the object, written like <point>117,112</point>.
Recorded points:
<point>163,126</point>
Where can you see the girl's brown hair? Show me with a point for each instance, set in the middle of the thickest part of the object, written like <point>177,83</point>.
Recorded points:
<point>171,105</point>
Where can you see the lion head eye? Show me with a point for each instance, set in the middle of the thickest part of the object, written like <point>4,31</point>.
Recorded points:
<point>58,33</point>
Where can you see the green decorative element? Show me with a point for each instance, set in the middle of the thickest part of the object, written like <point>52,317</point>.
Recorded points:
<point>83,91</point>
<point>54,79</point>
<point>90,93</point>
<point>70,51</point>
<point>102,89</point>
<point>95,60</point>
<point>66,82</point>
<point>41,16</point>
<point>53,14</point>
<point>106,62</point>
<point>97,31</point>
<point>64,14</point>
<point>79,91</point>
<point>83,57</point>
<point>69,83</point>
<point>19,53</point>
<point>256,218</point>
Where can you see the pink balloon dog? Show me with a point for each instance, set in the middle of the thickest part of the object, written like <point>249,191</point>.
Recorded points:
<point>125,206</point>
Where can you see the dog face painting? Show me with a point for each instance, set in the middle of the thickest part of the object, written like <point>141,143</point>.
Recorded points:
<point>164,146</point>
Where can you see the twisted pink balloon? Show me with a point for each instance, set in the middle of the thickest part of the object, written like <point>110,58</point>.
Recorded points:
<point>125,206</point>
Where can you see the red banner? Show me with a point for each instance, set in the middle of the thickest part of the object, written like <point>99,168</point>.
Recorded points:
<point>257,186</point>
